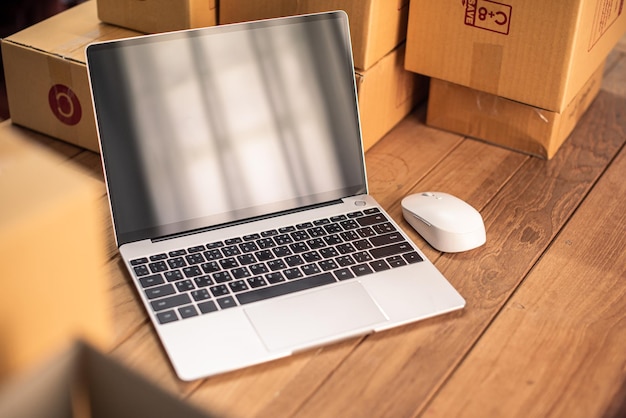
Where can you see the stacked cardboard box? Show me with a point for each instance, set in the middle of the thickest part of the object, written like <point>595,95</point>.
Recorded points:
<point>52,242</point>
<point>158,15</point>
<point>46,75</point>
<point>514,66</point>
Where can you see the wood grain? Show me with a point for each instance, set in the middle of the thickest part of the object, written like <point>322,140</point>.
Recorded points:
<point>558,346</point>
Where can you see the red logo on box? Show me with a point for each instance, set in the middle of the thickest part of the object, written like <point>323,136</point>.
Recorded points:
<point>64,104</point>
<point>488,15</point>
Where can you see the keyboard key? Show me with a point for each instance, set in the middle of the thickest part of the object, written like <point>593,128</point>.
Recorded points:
<point>138,261</point>
<point>312,256</point>
<point>229,263</point>
<point>222,277</point>
<point>208,306</point>
<point>195,258</point>
<point>170,302</point>
<point>231,250</point>
<point>187,311</point>
<point>345,260</point>
<point>379,265</point>
<point>412,257</point>
<point>192,271</point>
<point>372,219</point>
<point>220,290</point>
<point>238,286</point>
<point>176,263</point>
<point>213,254</point>
<point>285,288</point>
<point>383,228</point>
<point>310,269</point>
<point>158,267</point>
<point>246,259</point>
<point>361,269</point>
<point>386,239</point>
<point>177,253</point>
<point>233,241</point>
<point>240,273</point>
<point>275,265</point>
<point>294,260</point>
<point>200,294</point>
<point>248,247</point>
<point>362,257</point>
<point>264,255</point>
<point>167,316</point>
<point>227,302</point>
<point>203,281</point>
<point>196,249</point>
<point>258,269</point>
<point>158,257</point>
<point>185,286</point>
<point>396,261</point>
<point>160,291</point>
<point>274,278</point>
<point>150,281</point>
<point>327,265</point>
<point>173,275</point>
<point>344,274</point>
<point>389,250</point>
<point>293,273</point>
<point>255,282</point>
<point>210,267</point>
<point>282,251</point>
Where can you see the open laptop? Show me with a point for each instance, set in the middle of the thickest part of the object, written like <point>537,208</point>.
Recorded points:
<point>238,192</point>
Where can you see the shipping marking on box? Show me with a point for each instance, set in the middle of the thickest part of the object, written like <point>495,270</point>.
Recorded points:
<point>488,15</point>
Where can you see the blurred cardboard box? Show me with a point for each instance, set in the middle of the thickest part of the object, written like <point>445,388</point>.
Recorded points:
<point>152,16</point>
<point>536,52</point>
<point>377,27</point>
<point>81,382</point>
<point>505,122</point>
<point>46,75</point>
<point>52,241</point>
<point>387,93</point>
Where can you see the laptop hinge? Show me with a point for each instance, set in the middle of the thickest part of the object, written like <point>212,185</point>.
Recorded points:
<point>245,221</point>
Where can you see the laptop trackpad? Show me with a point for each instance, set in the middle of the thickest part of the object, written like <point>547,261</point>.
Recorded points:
<point>323,315</point>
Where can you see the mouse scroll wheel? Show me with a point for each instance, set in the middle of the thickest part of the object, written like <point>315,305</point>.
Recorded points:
<point>422,220</point>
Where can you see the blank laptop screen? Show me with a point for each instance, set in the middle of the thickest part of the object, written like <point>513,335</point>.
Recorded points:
<point>218,125</point>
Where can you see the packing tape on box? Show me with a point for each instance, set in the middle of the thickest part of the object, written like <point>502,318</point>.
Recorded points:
<point>486,67</point>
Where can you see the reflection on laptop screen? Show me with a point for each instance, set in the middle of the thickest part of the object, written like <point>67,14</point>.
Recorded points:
<point>213,127</point>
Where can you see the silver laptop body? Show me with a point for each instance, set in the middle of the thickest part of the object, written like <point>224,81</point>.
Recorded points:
<point>237,185</point>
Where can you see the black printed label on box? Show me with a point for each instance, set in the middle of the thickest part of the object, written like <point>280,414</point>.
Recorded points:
<point>607,12</point>
<point>488,15</point>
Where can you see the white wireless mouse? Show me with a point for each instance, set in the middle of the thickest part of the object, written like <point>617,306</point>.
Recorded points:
<point>446,222</point>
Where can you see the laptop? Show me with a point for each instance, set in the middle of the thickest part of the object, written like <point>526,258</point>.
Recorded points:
<point>236,179</point>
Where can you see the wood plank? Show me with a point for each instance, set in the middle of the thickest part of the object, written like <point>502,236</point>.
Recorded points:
<point>558,346</point>
<point>396,373</point>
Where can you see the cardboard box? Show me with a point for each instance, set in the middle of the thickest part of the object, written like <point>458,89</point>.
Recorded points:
<point>53,246</point>
<point>377,27</point>
<point>505,122</point>
<point>536,52</point>
<point>386,94</point>
<point>81,382</point>
<point>46,75</point>
<point>152,16</point>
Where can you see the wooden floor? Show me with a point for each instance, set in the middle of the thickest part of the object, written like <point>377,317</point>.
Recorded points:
<point>544,329</point>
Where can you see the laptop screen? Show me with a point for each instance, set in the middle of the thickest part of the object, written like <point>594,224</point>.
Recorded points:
<point>206,127</point>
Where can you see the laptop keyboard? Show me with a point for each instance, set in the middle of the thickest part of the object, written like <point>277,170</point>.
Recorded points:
<point>219,275</point>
